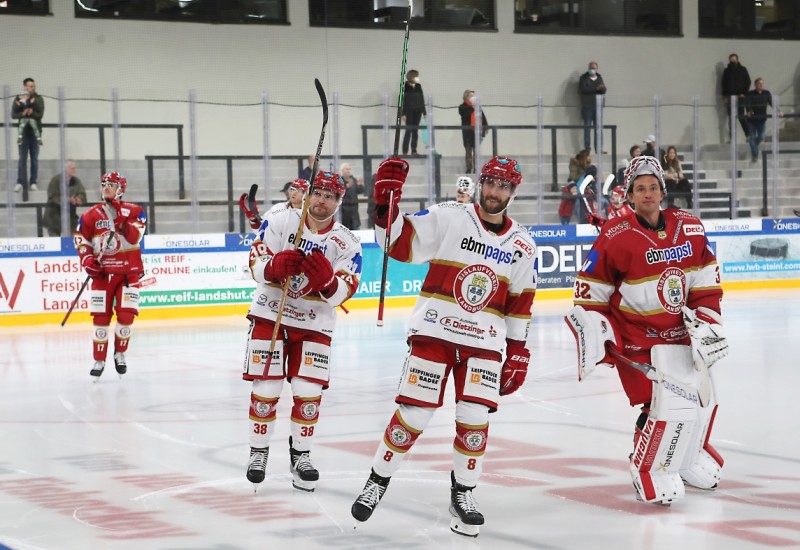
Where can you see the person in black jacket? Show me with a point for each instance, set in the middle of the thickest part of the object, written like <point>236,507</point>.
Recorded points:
<point>413,110</point>
<point>29,145</point>
<point>735,82</point>
<point>590,85</point>
<point>467,112</point>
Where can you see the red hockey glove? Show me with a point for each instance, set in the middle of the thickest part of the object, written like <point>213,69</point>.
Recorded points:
<point>596,220</point>
<point>253,218</point>
<point>390,177</point>
<point>91,266</point>
<point>319,271</point>
<point>285,263</point>
<point>515,368</point>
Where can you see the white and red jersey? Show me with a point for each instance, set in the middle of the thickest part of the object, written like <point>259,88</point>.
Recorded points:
<point>640,278</point>
<point>480,285</point>
<point>618,211</point>
<point>122,254</point>
<point>303,310</point>
<point>279,207</point>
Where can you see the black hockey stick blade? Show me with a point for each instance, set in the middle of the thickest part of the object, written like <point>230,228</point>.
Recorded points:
<point>251,197</point>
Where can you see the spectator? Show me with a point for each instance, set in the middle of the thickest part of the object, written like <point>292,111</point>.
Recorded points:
<point>77,197</point>
<point>567,205</point>
<point>33,109</point>
<point>467,112</point>
<point>353,188</point>
<point>413,111</point>
<point>650,148</point>
<point>674,178</point>
<point>590,85</point>
<point>735,82</point>
<point>305,173</point>
<point>27,102</point>
<point>755,104</point>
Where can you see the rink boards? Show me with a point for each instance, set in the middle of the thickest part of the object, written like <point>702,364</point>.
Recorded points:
<point>207,275</point>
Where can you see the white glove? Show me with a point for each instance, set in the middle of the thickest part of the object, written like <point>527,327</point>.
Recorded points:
<point>709,344</point>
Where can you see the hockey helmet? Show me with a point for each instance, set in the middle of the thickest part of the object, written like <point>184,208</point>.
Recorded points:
<point>115,177</point>
<point>299,185</point>
<point>330,181</point>
<point>617,195</point>
<point>465,185</point>
<point>642,165</point>
<point>502,168</point>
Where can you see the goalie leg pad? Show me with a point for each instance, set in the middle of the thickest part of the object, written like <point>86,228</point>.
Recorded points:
<point>668,434</point>
<point>702,467</point>
<point>591,331</point>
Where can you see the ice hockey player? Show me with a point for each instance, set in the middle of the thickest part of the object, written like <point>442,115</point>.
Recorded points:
<point>322,270</point>
<point>465,189</point>
<point>649,292</point>
<point>471,318</point>
<point>295,193</point>
<point>107,240</point>
<point>618,207</point>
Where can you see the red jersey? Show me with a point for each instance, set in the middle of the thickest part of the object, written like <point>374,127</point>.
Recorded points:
<point>640,278</point>
<point>122,254</point>
<point>618,211</point>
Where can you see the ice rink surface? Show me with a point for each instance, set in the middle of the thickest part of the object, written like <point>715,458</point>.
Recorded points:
<point>157,459</point>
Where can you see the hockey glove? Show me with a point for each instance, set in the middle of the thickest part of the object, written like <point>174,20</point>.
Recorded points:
<point>390,177</point>
<point>319,271</point>
<point>92,266</point>
<point>285,263</point>
<point>253,218</point>
<point>515,368</point>
<point>709,344</point>
<point>596,220</point>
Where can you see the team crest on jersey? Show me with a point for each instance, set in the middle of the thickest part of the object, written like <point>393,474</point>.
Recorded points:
<point>262,409</point>
<point>297,286</point>
<point>474,441</point>
<point>662,235</point>
<point>398,435</point>
<point>309,410</point>
<point>474,287</point>
<point>672,289</point>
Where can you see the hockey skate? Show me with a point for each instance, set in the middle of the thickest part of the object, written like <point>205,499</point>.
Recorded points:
<point>369,498</point>
<point>119,363</point>
<point>463,506</point>
<point>256,468</point>
<point>304,473</point>
<point>97,369</point>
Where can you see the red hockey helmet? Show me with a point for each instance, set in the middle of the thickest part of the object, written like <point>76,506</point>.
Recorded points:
<point>330,181</point>
<point>299,185</point>
<point>618,195</point>
<point>502,168</point>
<point>115,177</point>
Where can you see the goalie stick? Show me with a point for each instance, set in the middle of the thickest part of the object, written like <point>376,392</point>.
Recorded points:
<point>390,213</point>
<point>702,393</point>
<point>314,169</point>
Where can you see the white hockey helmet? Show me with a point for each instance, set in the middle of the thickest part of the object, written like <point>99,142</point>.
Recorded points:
<point>465,185</point>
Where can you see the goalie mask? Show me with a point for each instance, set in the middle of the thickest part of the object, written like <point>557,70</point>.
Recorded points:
<point>115,178</point>
<point>640,166</point>
<point>465,186</point>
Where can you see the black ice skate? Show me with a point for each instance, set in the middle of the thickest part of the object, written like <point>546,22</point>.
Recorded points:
<point>256,468</point>
<point>97,369</point>
<point>463,506</point>
<point>119,362</point>
<point>304,473</point>
<point>369,498</point>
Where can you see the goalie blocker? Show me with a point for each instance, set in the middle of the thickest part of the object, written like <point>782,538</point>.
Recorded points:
<point>671,441</point>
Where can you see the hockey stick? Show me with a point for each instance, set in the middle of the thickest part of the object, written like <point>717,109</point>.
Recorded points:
<point>323,99</point>
<point>582,185</point>
<point>86,281</point>
<point>669,383</point>
<point>248,206</point>
<point>390,213</point>
<point>607,184</point>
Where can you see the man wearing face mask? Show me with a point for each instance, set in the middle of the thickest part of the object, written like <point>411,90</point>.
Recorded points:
<point>590,85</point>
<point>413,111</point>
<point>467,112</point>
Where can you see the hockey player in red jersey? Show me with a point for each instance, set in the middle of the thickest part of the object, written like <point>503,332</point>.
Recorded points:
<point>471,319</point>
<point>107,240</point>
<point>323,270</point>
<point>618,207</point>
<point>648,299</point>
